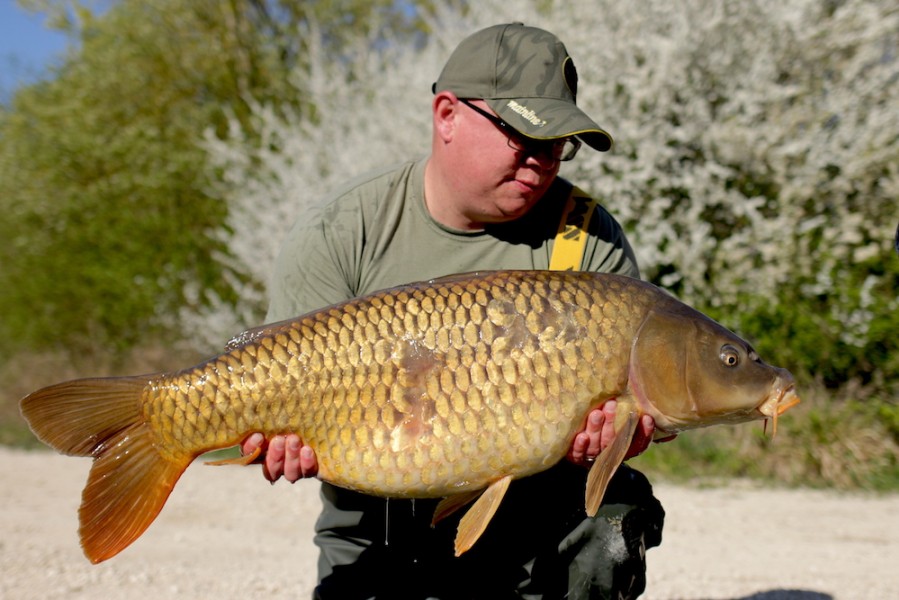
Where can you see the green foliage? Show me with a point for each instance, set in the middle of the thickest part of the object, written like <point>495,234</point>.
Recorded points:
<point>839,333</point>
<point>108,226</point>
<point>98,175</point>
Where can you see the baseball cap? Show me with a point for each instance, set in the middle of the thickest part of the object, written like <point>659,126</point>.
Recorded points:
<point>527,77</point>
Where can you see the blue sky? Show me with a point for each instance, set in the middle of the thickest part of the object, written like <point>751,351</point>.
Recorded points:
<point>26,47</point>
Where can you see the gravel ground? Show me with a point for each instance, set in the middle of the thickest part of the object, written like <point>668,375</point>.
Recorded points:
<point>225,534</point>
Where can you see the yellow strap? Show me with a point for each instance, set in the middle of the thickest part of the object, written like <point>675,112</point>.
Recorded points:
<point>571,240</point>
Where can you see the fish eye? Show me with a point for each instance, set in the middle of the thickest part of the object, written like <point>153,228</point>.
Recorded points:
<point>730,356</point>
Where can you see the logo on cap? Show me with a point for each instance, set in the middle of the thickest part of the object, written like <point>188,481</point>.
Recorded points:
<point>527,113</point>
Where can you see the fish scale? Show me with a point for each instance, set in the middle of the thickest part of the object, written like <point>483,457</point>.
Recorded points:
<point>527,346</point>
<point>448,388</point>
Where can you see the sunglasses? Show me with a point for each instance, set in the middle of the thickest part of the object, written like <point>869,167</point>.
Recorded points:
<point>559,149</point>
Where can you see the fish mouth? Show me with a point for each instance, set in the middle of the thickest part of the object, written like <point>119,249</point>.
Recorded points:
<point>777,404</point>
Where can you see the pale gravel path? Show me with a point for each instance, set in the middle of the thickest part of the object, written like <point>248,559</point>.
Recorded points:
<point>225,534</point>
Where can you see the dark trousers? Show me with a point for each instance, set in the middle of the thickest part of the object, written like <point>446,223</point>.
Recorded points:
<point>540,544</point>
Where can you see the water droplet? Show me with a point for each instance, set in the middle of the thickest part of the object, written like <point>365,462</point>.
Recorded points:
<point>387,521</point>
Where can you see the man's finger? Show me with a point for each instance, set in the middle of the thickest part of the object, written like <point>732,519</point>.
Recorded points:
<point>595,423</point>
<point>607,435</point>
<point>308,462</point>
<point>274,459</point>
<point>250,444</point>
<point>292,468</point>
<point>578,451</point>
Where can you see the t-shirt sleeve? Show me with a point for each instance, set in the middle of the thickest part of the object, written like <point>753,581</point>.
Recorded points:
<point>308,274</point>
<point>319,261</point>
<point>326,256</point>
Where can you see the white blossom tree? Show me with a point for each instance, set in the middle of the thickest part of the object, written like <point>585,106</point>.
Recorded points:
<point>755,164</point>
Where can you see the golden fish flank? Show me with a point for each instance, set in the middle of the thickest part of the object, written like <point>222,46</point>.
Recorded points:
<point>438,389</point>
<point>406,384</point>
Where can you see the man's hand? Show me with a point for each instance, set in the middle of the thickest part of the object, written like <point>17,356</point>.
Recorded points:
<point>283,456</point>
<point>599,432</point>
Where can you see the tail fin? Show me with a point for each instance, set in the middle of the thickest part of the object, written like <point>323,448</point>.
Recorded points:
<point>129,481</point>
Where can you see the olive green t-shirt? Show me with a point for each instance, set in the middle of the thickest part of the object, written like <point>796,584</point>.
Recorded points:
<point>376,233</point>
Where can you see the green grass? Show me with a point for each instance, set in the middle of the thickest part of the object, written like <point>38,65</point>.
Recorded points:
<point>16,433</point>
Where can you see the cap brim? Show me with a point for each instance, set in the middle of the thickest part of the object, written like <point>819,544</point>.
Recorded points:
<point>549,118</point>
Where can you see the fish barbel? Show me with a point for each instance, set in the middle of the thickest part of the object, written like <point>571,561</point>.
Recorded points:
<point>449,388</point>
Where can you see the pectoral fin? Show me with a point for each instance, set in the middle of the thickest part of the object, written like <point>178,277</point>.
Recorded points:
<point>608,460</point>
<point>237,460</point>
<point>475,521</point>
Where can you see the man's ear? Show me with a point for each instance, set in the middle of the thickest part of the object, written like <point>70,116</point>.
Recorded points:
<point>444,107</point>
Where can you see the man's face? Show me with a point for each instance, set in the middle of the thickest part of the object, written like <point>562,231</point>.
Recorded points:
<point>497,182</point>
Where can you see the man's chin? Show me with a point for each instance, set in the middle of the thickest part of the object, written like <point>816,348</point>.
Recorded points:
<point>518,206</point>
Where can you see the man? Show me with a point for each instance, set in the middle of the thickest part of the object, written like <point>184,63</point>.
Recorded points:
<point>487,197</point>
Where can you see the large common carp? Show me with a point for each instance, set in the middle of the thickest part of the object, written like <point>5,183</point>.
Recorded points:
<point>449,388</point>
